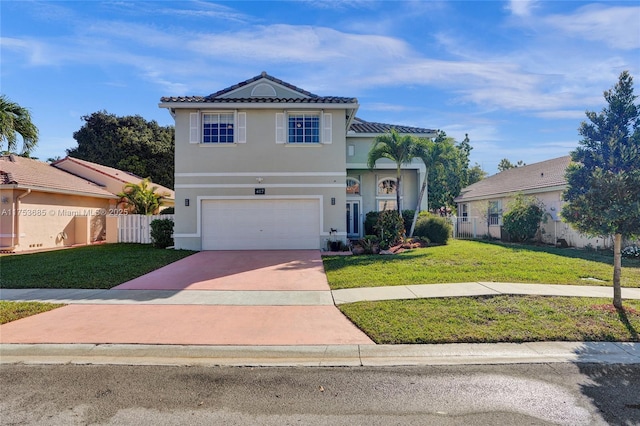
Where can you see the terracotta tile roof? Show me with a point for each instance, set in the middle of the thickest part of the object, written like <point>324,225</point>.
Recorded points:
<point>545,174</point>
<point>308,97</point>
<point>361,126</point>
<point>266,100</point>
<point>120,175</point>
<point>34,174</point>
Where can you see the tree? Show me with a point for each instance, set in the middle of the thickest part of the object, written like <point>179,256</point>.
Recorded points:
<point>505,164</point>
<point>445,183</point>
<point>603,182</point>
<point>141,198</point>
<point>16,120</point>
<point>399,149</point>
<point>432,154</point>
<point>129,143</point>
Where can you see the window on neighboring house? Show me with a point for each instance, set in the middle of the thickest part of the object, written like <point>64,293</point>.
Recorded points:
<point>217,128</point>
<point>464,211</point>
<point>495,212</point>
<point>353,186</point>
<point>304,128</point>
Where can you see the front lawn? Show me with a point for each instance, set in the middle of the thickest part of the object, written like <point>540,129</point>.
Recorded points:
<point>470,261</point>
<point>90,267</point>
<point>11,311</point>
<point>494,319</point>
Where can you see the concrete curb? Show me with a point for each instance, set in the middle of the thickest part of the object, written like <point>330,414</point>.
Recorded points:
<point>323,355</point>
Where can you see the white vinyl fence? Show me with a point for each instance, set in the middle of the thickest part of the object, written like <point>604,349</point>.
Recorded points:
<point>464,227</point>
<point>136,228</point>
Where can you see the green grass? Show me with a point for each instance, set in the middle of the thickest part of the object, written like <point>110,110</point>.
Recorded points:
<point>90,267</point>
<point>470,261</point>
<point>495,319</point>
<point>11,311</point>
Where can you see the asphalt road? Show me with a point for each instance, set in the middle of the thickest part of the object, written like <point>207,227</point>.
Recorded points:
<point>533,394</point>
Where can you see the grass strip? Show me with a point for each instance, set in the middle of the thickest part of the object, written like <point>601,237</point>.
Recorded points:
<point>11,311</point>
<point>470,261</point>
<point>90,267</point>
<point>494,319</point>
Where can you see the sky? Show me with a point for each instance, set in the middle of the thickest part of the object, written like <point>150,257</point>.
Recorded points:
<point>516,76</point>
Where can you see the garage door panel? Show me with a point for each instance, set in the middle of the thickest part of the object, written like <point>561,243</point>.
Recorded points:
<point>260,224</point>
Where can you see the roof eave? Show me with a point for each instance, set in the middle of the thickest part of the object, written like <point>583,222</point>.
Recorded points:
<point>258,105</point>
<point>463,198</point>
<point>59,191</point>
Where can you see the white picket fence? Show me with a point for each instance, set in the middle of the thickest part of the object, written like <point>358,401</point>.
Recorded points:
<point>136,228</point>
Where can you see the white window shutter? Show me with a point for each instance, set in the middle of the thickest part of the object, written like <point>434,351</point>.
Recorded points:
<point>242,128</point>
<point>326,128</point>
<point>280,134</point>
<point>194,127</point>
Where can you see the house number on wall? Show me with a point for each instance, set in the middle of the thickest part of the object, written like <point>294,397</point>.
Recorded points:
<point>259,191</point>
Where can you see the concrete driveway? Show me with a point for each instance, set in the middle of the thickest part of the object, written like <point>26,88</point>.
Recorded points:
<point>286,273</point>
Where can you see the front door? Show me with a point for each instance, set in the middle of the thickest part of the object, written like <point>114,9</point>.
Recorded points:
<point>353,219</point>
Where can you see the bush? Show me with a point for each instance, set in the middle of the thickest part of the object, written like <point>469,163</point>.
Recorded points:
<point>631,252</point>
<point>168,210</point>
<point>435,228</point>
<point>407,217</point>
<point>389,228</point>
<point>161,233</point>
<point>523,219</point>
<point>370,221</point>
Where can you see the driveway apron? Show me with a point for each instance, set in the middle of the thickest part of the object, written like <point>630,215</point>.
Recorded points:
<point>251,273</point>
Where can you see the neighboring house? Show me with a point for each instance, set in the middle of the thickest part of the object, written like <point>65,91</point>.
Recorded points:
<point>482,204</point>
<point>44,207</point>
<point>113,180</point>
<point>264,164</point>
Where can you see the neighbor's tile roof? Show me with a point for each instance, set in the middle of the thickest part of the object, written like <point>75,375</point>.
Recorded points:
<point>121,175</point>
<point>545,174</point>
<point>361,126</point>
<point>34,174</point>
<point>309,98</point>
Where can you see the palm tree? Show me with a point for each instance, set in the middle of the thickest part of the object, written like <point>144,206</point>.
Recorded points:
<point>432,154</point>
<point>141,198</point>
<point>16,120</point>
<point>399,149</point>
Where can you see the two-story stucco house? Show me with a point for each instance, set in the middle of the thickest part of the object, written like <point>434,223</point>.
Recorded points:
<point>264,164</point>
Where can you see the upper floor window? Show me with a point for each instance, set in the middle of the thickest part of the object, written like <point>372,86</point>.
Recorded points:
<point>304,128</point>
<point>217,127</point>
<point>387,186</point>
<point>224,127</point>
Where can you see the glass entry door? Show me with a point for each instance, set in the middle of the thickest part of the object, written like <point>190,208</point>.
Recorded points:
<point>353,219</point>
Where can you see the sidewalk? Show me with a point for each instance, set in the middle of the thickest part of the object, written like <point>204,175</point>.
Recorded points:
<point>144,350</point>
<point>303,298</point>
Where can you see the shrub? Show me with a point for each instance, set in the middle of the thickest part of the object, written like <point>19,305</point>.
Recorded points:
<point>523,219</point>
<point>389,228</point>
<point>370,221</point>
<point>631,252</point>
<point>407,217</point>
<point>168,210</point>
<point>161,233</point>
<point>435,228</point>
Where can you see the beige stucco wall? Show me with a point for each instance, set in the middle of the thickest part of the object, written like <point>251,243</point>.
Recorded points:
<point>551,231</point>
<point>231,170</point>
<point>45,218</point>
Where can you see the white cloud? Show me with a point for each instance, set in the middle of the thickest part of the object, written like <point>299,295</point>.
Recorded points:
<point>521,7</point>
<point>616,26</point>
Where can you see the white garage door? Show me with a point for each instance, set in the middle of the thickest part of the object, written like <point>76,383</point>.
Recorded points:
<point>272,224</point>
